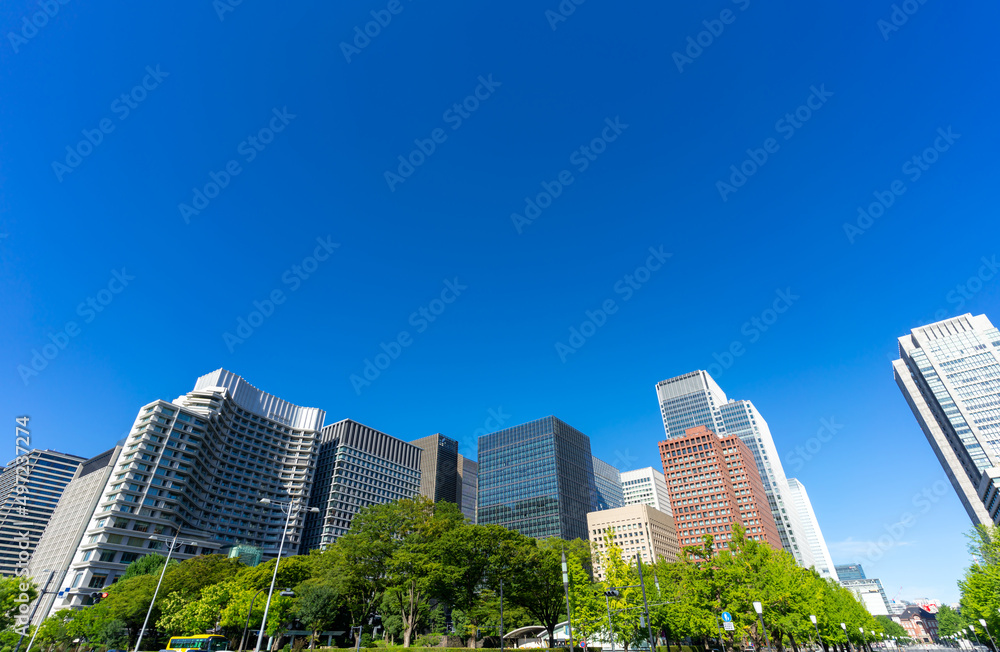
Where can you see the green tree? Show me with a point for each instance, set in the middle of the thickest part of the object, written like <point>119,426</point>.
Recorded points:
<point>14,592</point>
<point>891,628</point>
<point>980,586</point>
<point>586,601</point>
<point>113,634</point>
<point>316,607</point>
<point>950,621</point>
<point>150,564</point>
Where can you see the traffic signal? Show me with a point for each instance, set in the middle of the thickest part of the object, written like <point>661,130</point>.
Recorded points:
<point>96,596</point>
<point>613,593</point>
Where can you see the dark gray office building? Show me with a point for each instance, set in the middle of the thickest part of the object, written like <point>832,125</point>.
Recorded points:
<point>439,478</point>
<point>608,482</point>
<point>358,466</point>
<point>538,478</point>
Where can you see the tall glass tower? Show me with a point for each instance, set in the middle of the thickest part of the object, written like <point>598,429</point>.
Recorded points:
<point>949,373</point>
<point>695,399</point>
<point>538,478</point>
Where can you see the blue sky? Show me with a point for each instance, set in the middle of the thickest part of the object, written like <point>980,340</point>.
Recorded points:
<point>621,132</point>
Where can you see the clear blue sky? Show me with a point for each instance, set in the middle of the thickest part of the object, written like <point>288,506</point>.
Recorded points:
<point>70,220</point>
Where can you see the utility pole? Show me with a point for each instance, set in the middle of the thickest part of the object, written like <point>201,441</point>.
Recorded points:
<point>645,605</point>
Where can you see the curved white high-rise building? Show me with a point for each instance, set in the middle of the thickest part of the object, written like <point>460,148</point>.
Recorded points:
<point>199,464</point>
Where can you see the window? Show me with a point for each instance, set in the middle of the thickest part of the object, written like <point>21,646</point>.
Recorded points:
<point>129,557</point>
<point>86,555</point>
<point>106,555</point>
<point>76,580</point>
<point>97,581</point>
<point>114,538</point>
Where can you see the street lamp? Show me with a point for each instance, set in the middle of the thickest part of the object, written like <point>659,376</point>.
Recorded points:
<point>819,639</point>
<point>759,608</point>
<point>290,505</point>
<point>170,551</point>
<point>862,630</point>
<point>843,626</point>
<point>972,628</point>
<point>982,621</point>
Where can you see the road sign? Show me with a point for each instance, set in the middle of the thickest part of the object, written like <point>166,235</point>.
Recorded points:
<point>729,626</point>
<point>727,617</point>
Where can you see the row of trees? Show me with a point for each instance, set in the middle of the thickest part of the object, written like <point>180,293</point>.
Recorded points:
<point>688,597</point>
<point>980,589</point>
<point>422,567</point>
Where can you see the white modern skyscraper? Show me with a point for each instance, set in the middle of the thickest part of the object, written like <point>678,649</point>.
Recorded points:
<point>199,464</point>
<point>695,399</point>
<point>949,373</point>
<point>822,561</point>
<point>646,486</point>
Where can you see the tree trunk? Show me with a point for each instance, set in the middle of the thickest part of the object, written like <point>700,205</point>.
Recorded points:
<point>791,639</point>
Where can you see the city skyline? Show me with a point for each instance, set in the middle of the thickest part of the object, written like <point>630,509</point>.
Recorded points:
<point>460,237</point>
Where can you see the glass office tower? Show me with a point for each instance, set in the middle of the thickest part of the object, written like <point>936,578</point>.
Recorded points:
<point>537,478</point>
<point>949,373</point>
<point>608,482</point>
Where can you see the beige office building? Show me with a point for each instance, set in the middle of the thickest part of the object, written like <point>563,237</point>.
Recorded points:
<point>638,529</point>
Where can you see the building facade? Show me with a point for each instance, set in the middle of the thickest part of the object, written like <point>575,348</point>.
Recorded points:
<point>646,486</point>
<point>439,473</point>
<point>948,373</point>
<point>537,478</point>
<point>358,466</point>
<point>822,561</point>
<point>608,483</point>
<point>65,529</point>
<point>695,399</point>
<point>200,465</point>
<point>714,483</point>
<point>920,624</point>
<point>30,488</point>
<point>637,529</point>
<point>850,572</point>
<point>469,475</point>
<point>870,593</point>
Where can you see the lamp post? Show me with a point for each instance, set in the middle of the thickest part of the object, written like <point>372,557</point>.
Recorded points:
<point>612,593</point>
<point>645,604</point>
<point>819,639</point>
<point>171,546</point>
<point>759,608</point>
<point>247,625</point>
<point>863,641</point>
<point>32,615</point>
<point>982,621</point>
<point>569,616</point>
<point>972,628</point>
<point>843,626</point>
<point>291,509</point>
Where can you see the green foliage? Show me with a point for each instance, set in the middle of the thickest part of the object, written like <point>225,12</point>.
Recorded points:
<point>950,622</point>
<point>891,628</point>
<point>14,592</point>
<point>980,587</point>
<point>150,564</point>
<point>112,634</point>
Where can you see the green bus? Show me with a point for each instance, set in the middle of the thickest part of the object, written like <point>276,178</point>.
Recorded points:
<point>201,642</point>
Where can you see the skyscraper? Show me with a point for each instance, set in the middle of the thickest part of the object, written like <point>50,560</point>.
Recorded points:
<point>468,471</point>
<point>65,530</point>
<point>358,466</point>
<point>608,482</point>
<point>822,561</point>
<point>646,486</point>
<point>439,468</point>
<point>29,492</point>
<point>949,373</point>
<point>714,483</point>
<point>537,478</point>
<point>695,399</point>
<point>200,464</point>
